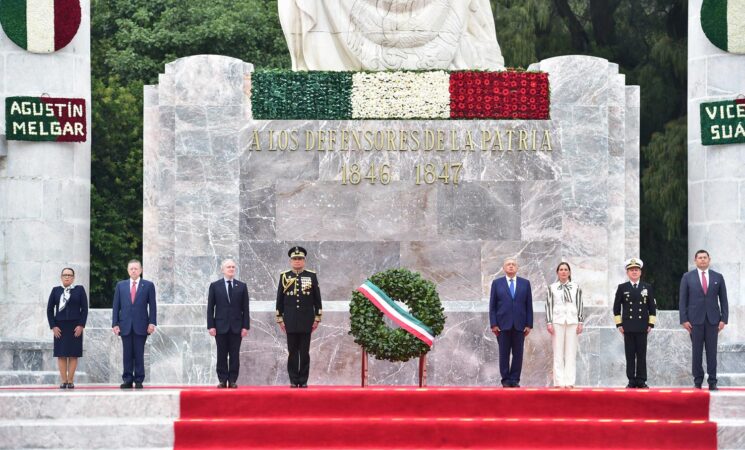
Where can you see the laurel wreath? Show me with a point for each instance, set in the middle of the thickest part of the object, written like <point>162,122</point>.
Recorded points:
<point>378,339</point>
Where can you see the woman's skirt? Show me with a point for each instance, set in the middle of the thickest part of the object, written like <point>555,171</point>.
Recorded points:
<point>68,345</point>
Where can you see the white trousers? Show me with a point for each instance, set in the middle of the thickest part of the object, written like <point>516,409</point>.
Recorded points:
<point>564,342</point>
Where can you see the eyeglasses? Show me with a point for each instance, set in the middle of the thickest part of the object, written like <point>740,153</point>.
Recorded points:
<point>68,275</point>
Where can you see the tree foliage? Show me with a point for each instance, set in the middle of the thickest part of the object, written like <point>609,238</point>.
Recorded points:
<point>132,40</point>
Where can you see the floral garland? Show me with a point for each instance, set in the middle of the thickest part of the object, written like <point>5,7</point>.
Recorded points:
<point>40,27</point>
<point>283,94</point>
<point>512,94</point>
<point>499,95</point>
<point>396,344</point>
<point>401,95</point>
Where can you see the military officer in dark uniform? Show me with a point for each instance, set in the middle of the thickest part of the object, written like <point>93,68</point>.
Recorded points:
<point>298,314</point>
<point>635,312</point>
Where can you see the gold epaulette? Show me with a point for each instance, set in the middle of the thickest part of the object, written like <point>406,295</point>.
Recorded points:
<point>311,271</point>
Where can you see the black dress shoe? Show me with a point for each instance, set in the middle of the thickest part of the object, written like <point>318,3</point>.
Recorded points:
<point>70,386</point>
<point>233,386</point>
<point>126,385</point>
<point>515,385</point>
<point>222,385</point>
<point>294,386</point>
<point>304,386</point>
<point>713,387</point>
<point>642,386</point>
<point>138,385</point>
<point>697,386</point>
<point>630,386</point>
<point>63,386</point>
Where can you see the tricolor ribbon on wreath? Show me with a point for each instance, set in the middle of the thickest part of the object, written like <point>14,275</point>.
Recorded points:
<point>400,316</point>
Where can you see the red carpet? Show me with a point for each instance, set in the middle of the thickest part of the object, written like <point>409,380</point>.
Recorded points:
<point>352,417</point>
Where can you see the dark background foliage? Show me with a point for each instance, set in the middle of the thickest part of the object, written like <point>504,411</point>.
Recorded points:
<point>132,40</point>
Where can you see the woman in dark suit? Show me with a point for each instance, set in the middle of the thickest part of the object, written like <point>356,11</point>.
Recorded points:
<point>67,312</point>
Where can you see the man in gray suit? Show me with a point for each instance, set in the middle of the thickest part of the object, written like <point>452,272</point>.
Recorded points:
<point>703,312</point>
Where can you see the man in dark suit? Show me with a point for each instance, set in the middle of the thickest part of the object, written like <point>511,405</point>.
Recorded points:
<point>228,322</point>
<point>298,314</point>
<point>703,313</point>
<point>635,313</point>
<point>511,319</point>
<point>134,317</point>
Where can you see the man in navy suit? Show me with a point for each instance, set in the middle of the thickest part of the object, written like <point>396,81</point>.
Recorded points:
<point>228,322</point>
<point>134,317</point>
<point>703,312</point>
<point>511,319</point>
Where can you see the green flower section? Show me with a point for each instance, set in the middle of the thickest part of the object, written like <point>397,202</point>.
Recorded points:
<point>714,22</point>
<point>13,19</point>
<point>281,94</point>
<point>370,330</point>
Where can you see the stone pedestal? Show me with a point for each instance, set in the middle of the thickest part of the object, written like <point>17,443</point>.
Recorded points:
<point>716,174</point>
<point>44,188</point>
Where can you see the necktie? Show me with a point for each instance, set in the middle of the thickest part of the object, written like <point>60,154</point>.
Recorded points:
<point>704,284</point>
<point>634,285</point>
<point>133,291</point>
<point>512,287</point>
<point>230,290</point>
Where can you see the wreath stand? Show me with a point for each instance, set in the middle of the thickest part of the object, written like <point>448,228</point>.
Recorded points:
<point>422,370</point>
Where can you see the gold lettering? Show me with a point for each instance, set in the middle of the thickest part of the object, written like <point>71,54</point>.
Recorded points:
<point>415,138</point>
<point>255,142</point>
<point>469,141</point>
<point>440,140</point>
<point>271,141</point>
<point>332,140</point>
<point>509,137</point>
<point>369,139</point>
<point>523,144</point>
<point>485,139</point>
<point>534,134</point>
<point>294,140</point>
<point>403,144</point>
<point>390,144</point>
<point>310,140</point>
<point>546,144</point>
<point>356,138</point>
<point>429,140</point>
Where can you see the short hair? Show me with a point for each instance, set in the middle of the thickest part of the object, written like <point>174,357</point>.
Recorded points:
<point>134,261</point>
<point>225,261</point>
<point>68,268</point>
<point>564,263</point>
<point>699,252</point>
<point>508,259</point>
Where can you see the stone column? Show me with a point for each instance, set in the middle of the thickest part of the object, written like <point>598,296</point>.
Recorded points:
<point>44,188</point>
<point>716,174</point>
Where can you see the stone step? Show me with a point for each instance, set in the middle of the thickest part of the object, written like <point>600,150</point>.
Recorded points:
<point>727,404</point>
<point>89,403</point>
<point>75,432</point>
<point>26,355</point>
<point>35,378</point>
<point>731,434</point>
<point>731,379</point>
<point>731,358</point>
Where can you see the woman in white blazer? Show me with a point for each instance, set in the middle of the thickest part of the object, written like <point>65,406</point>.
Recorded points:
<point>564,316</point>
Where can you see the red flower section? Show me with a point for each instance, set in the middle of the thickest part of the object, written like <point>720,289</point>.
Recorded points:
<point>499,95</point>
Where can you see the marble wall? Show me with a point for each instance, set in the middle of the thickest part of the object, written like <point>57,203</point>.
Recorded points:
<point>219,184</point>
<point>44,187</point>
<point>716,174</point>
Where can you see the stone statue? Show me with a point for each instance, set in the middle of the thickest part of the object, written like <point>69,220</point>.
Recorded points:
<point>390,34</point>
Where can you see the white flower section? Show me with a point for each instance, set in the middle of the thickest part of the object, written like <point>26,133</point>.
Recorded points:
<point>736,26</point>
<point>401,95</point>
<point>40,26</point>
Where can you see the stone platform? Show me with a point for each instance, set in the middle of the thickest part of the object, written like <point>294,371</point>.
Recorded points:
<point>99,417</point>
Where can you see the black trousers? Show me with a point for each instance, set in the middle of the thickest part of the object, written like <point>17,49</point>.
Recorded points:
<point>704,336</point>
<point>228,356</point>
<point>636,357</point>
<point>298,361</point>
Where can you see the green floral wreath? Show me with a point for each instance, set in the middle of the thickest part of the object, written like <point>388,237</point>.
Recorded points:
<point>371,332</point>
